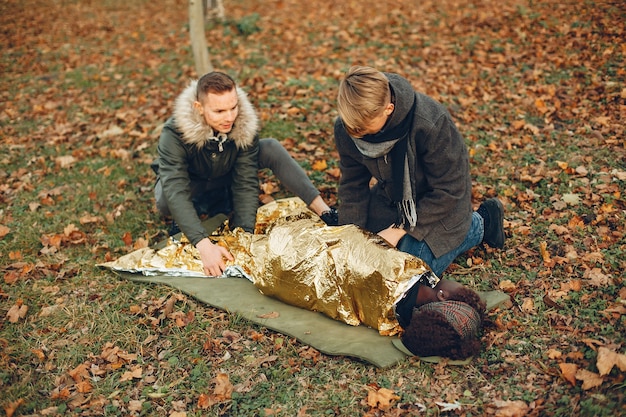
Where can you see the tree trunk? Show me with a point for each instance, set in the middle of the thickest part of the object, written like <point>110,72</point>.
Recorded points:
<point>198,38</point>
<point>214,9</point>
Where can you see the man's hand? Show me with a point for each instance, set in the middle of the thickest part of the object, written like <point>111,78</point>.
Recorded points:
<point>212,257</point>
<point>392,235</point>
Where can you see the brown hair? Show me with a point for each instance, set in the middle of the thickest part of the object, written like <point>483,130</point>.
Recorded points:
<point>429,333</point>
<point>363,94</point>
<point>215,83</point>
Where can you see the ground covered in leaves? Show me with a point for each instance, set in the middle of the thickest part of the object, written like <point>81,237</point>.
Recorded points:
<point>537,88</point>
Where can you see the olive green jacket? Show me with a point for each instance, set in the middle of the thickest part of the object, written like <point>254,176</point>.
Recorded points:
<point>189,151</point>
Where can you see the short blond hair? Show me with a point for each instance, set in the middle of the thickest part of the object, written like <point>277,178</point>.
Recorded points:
<point>363,94</point>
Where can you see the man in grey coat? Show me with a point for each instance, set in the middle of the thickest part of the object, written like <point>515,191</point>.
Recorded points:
<point>408,145</point>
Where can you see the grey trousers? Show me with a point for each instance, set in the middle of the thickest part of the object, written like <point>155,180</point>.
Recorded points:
<point>272,155</point>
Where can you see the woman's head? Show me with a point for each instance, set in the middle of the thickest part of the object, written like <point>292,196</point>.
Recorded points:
<point>364,101</point>
<point>447,326</point>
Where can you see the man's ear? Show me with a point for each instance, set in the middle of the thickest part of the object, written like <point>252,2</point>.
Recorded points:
<point>441,296</point>
<point>197,105</point>
<point>389,109</point>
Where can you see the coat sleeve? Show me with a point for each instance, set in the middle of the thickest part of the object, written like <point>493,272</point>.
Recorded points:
<point>174,175</point>
<point>245,187</point>
<point>353,193</point>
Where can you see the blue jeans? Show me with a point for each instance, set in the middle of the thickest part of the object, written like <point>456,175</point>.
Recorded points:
<point>420,249</point>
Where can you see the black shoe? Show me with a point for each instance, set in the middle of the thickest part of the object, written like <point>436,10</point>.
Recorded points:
<point>492,212</point>
<point>174,229</point>
<point>330,217</point>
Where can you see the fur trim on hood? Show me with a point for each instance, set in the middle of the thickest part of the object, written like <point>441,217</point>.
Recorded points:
<point>194,129</point>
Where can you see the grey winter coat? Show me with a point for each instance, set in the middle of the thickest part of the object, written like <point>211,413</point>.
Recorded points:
<point>189,151</point>
<point>440,173</point>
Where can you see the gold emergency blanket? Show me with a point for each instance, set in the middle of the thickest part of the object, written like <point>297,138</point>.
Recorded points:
<point>342,271</point>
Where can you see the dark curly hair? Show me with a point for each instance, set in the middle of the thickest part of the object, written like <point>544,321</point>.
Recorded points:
<point>430,334</point>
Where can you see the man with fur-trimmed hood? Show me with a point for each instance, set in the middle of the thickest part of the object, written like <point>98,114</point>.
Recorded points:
<point>209,155</point>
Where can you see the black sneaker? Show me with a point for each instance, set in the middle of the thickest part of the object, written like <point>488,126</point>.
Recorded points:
<point>174,229</point>
<point>492,212</point>
<point>330,217</point>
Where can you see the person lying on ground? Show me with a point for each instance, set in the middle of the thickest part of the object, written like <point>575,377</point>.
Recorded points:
<point>352,275</point>
<point>347,274</point>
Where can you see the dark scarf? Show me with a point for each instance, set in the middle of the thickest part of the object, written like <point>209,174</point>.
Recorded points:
<point>402,160</point>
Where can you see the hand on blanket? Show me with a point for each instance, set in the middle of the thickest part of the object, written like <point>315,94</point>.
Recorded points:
<point>392,235</point>
<point>212,257</point>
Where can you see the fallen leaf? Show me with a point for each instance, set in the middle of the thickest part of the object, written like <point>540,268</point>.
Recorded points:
<point>269,188</point>
<point>448,406</point>
<point>571,199</point>
<point>545,255</point>
<point>11,277</point>
<point>223,388</point>
<point>319,165</point>
<point>4,230</point>
<point>271,315</point>
<point>506,284</point>
<point>292,111</point>
<point>590,379</point>
<point>620,175</point>
<point>607,359</point>
<point>381,399</point>
<point>334,172</point>
<point>60,393</point>
<point>84,387</point>
<point>575,285</point>
<point>568,370</point>
<point>140,243</point>
<point>127,238</point>
<point>17,311</point>
<point>528,306</point>
<point>87,219</point>
<point>541,106</point>
<point>65,161</point>
<point>135,405</point>
<point>576,222</point>
<point>597,278</point>
<point>554,353</point>
<point>135,373</point>
<point>112,131</point>
<point>511,408</point>
<point>10,408</point>
<point>80,373</point>
<point>592,343</point>
<point>204,401</point>
<point>39,353</point>
<point>302,412</point>
<point>550,302</point>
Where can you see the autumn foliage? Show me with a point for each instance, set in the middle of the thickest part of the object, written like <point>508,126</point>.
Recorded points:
<point>538,90</point>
